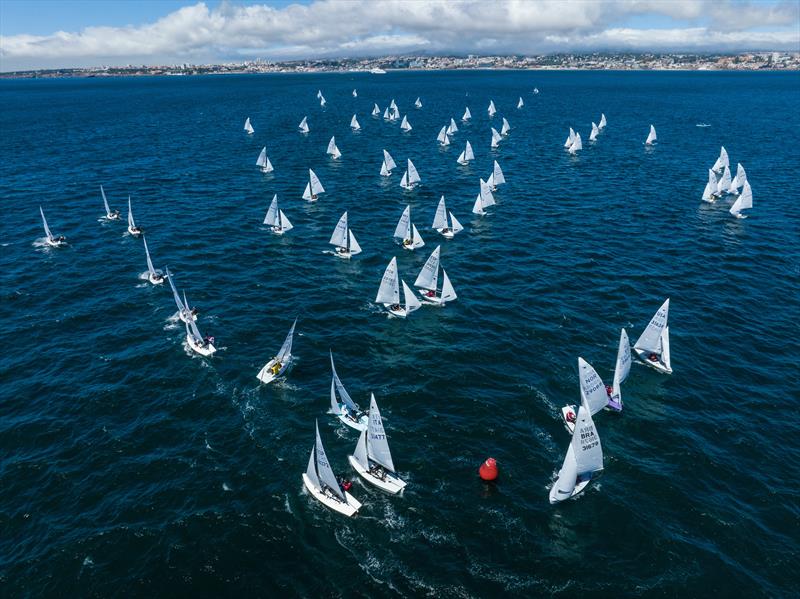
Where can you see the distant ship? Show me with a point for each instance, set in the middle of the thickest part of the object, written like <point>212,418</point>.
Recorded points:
<point>377,71</point>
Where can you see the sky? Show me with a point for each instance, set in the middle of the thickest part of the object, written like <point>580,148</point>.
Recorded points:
<point>78,33</point>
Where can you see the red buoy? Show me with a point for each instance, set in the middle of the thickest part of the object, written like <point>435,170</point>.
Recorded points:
<point>488,470</point>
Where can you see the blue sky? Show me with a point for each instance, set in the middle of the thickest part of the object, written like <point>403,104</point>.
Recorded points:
<point>50,33</point>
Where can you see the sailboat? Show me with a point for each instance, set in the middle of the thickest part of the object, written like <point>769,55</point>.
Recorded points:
<point>595,132</point>
<point>153,275</point>
<point>410,177</point>
<point>132,228</point>
<point>303,126</point>
<point>570,138</point>
<point>276,219</point>
<point>405,125</point>
<point>443,138</point>
<point>452,127</point>
<point>417,103</point>
<point>376,110</point>
<point>505,128</point>
<point>354,124</point>
<point>386,115</point>
<point>248,127</point>
<point>263,161</point>
<point>313,187</point>
<point>347,411</point>
<point>447,229</point>
<point>602,124</point>
<point>743,202</point>
<point>491,110</point>
<point>584,458</point>
<point>344,240</point>
<point>372,458</point>
<point>322,101</point>
<point>109,214</point>
<point>467,115</point>
<point>535,90</point>
<point>49,239</point>
<point>722,161</point>
<point>496,138</point>
<point>389,293</point>
<point>724,182</point>
<point>520,104</point>
<point>395,113</point>
<point>738,180</point>
<point>388,164</point>
<point>652,347</point>
<point>280,363</point>
<point>465,156</point>
<point>428,282</point>
<point>199,344</point>
<point>651,137</point>
<point>321,482</point>
<point>496,177</point>
<point>184,312</point>
<point>355,94</point>
<point>577,144</point>
<point>407,232</point>
<point>332,150</point>
<point>484,200</point>
<point>621,370</point>
<point>709,193</point>
<point>593,392</point>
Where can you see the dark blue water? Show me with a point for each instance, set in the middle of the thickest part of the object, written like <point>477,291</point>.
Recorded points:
<point>127,465</point>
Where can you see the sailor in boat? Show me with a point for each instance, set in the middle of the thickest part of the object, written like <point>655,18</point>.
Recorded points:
<point>446,230</point>
<point>134,230</point>
<point>571,416</point>
<point>341,250</point>
<point>157,277</point>
<point>609,391</point>
<point>207,340</point>
<point>276,367</point>
<point>59,239</point>
<point>377,471</point>
<point>113,215</point>
<point>653,358</point>
<point>430,293</point>
<point>407,242</point>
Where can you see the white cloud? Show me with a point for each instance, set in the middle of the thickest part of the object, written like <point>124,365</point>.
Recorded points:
<point>364,27</point>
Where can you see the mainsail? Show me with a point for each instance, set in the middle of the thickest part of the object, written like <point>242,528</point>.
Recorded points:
<point>389,291</point>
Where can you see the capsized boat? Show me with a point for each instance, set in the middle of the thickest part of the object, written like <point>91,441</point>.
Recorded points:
<point>441,224</point>
<point>50,239</point>
<point>303,126</point>
<point>347,410</point>
<point>466,155</point>
<point>594,394</point>
<point>185,313</point>
<point>344,240</point>
<point>652,346</point>
<point>248,127</point>
<point>197,342</point>
<point>132,228</point>
<point>743,202</point>
<point>280,363</point>
<point>313,187</point>
<point>110,215</point>
<point>263,161</point>
<point>388,164</point>
<point>651,137</point>
<point>406,231</point>
<point>428,282</point>
<point>333,150</point>
<point>354,124</point>
<point>276,219</point>
<point>321,482</point>
<point>584,459</point>
<point>389,293</point>
<point>411,177</point>
<point>372,458</point>
<point>484,200</point>
<point>153,275</point>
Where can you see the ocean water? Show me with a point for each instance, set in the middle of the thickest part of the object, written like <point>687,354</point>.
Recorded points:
<point>129,466</point>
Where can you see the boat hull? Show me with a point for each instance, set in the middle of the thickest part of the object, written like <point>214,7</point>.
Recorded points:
<point>579,488</point>
<point>54,243</point>
<point>134,232</point>
<point>112,216</point>
<point>565,411</point>
<point>400,313</point>
<point>359,425</point>
<point>155,279</point>
<point>185,318</point>
<point>391,484</point>
<point>266,374</point>
<point>203,350</point>
<point>434,301</point>
<point>657,366</point>
<point>343,255</point>
<point>446,234</point>
<point>349,508</point>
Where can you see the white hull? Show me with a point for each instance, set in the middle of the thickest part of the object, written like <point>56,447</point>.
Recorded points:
<point>277,230</point>
<point>349,508</point>
<point>54,243</point>
<point>360,425</point>
<point>446,234</point>
<point>575,492</point>
<point>436,300</point>
<point>391,483</point>
<point>400,313</point>
<point>135,232</point>
<point>570,426</point>
<point>155,279</point>
<point>112,216</point>
<point>344,255</point>
<point>410,187</point>
<point>203,350</point>
<point>266,374</point>
<point>642,355</point>
<point>184,316</point>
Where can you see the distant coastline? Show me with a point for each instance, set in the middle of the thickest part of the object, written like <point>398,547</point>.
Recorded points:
<point>748,61</point>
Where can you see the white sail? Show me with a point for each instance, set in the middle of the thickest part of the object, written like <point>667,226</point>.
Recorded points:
<point>392,104</point>
<point>505,128</point>
<point>248,127</point>
<point>389,291</point>
<point>409,299</point>
<point>413,175</point>
<point>322,101</point>
<point>622,367</point>
<point>711,187</point>
<point>311,470</point>
<point>390,163</point>
<point>354,247</point>
<point>339,237</point>
<point>395,114</point>
<point>316,186</point>
<point>448,293</point>
<point>105,202</point>
<point>744,201</point>
<point>576,145</point>
<point>586,443</point>
<point>403,228</point>
<point>286,348</point>
<point>131,223</point>
<point>319,94</point>
<point>271,217</point>
<point>307,192</point>
<point>592,388</point>
<point>651,137</point>
<point>665,355</point>
<point>455,225</point>
<point>650,339</point>
<point>461,160</point>
<point>354,124</point>
<point>724,181</point>
<point>338,387</point>
<point>722,161</point>
<point>324,470</point>
<point>376,110</point>
<point>570,138</point>
<point>440,218</point>
<point>262,158</point>
<point>594,133</point>
<point>355,94</point>
<point>416,238</point>
<point>405,125</point>
<point>178,302</point>
<point>150,268</point>
<point>284,222</point>
<point>418,103</point>
<point>567,477</point>
<point>333,150</point>
<point>442,137</point>
<point>602,123</point>
<point>404,181</point>
<point>467,115</point>
<point>466,155</point>
<point>303,126</point>
<point>452,127</point>
<point>360,454</point>
<point>428,277</point>
<point>385,172</point>
<point>738,180</point>
<point>268,167</point>
<point>386,113</point>
<point>520,104</point>
<point>497,175</point>
<point>487,199</point>
<point>491,110</point>
<point>477,207</point>
<point>377,444</point>
<point>496,138</point>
